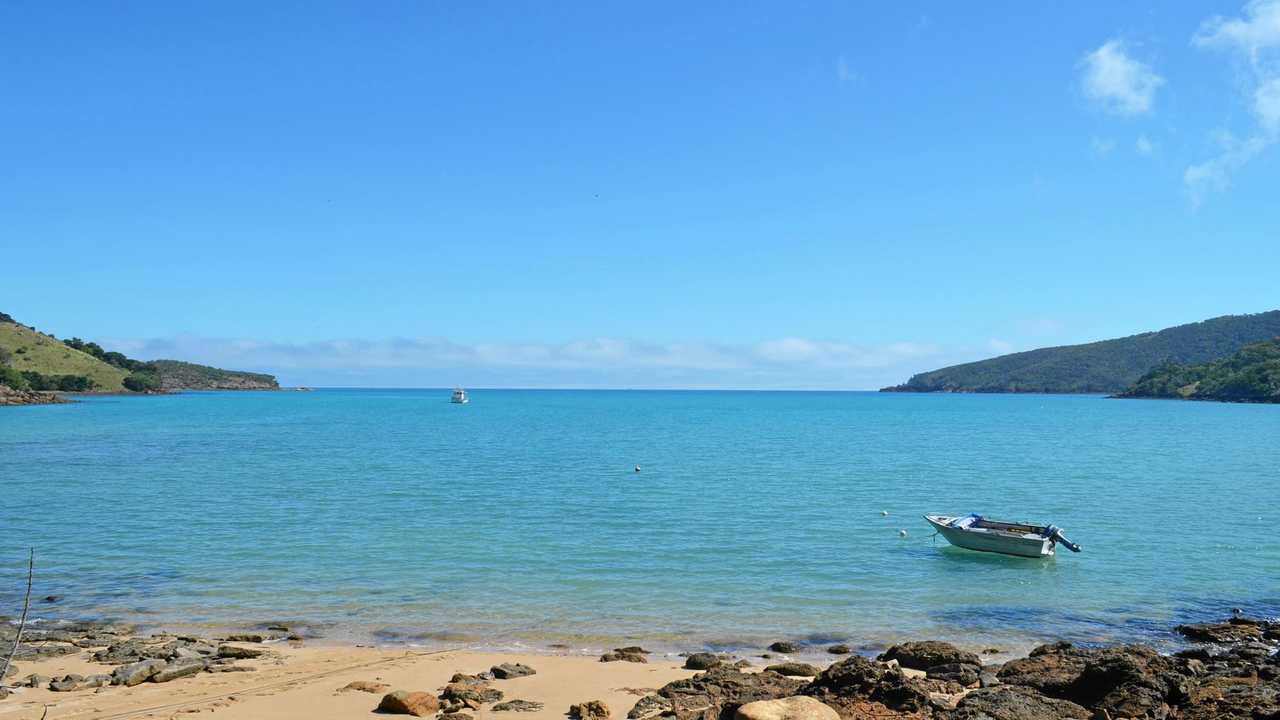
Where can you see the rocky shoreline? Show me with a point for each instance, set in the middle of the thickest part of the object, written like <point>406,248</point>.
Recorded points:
<point>10,396</point>
<point>1231,670</point>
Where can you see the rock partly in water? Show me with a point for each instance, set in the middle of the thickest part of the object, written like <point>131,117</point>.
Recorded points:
<point>1233,631</point>
<point>925,654</point>
<point>702,661</point>
<point>799,707</point>
<point>840,649</point>
<point>620,656</point>
<point>403,702</point>
<point>785,647</point>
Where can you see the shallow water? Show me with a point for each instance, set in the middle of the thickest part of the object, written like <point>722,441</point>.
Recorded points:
<point>518,520</point>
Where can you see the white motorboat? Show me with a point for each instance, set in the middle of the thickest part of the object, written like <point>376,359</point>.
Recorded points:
<point>975,532</point>
<point>459,397</point>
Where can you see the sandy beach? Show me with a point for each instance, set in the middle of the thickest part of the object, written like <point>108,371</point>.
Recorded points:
<point>1230,670</point>
<point>298,682</point>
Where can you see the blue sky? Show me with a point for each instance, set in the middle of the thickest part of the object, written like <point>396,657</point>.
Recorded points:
<point>633,195</point>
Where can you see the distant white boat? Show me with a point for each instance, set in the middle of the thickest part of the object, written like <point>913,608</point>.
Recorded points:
<point>975,532</point>
<point>459,396</point>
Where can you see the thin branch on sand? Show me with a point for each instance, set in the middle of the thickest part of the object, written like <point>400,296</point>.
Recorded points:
<point>22,624</point>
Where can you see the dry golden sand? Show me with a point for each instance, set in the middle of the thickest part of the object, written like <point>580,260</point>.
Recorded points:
<point>303,683</point>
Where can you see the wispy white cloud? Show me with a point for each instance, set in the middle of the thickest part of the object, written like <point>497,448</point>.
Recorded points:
<point>1254,41</point>
<point>1102,147</point>
<point>1144,146</point>
<point>784,362</point>
<point>1118,83</point>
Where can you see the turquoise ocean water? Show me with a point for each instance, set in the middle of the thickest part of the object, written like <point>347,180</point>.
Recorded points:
<point>518,521</point>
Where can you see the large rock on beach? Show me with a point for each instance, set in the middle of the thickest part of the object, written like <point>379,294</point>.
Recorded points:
<point>507,671</point>
<point>799,707</point>
<point>134,673</point>
<point>960,673</point>
<point>403,702</point>
<point>1015,703</point>
<point>470,694</point>
<point>590,710</point>
<point>857,687</point>
<point>178,669</point>
<point>239,652</point>
<point>368,686</point>
<point>714,694</point>
<point>66,683</point>
<point>797,669</point>
<point>1122,681</point>
<point>922,655</point>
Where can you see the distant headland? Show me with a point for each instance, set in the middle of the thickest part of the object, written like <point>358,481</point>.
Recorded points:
<point>36,366</point>
<point>1104,367</point>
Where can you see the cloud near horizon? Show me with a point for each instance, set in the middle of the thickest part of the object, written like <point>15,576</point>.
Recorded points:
<point>602,362</point>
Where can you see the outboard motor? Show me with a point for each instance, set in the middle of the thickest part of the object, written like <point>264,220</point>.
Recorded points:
<point>1055,534</point>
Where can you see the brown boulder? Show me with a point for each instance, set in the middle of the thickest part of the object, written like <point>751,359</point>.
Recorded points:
<point>800,707</point>
<point>403,702</point>
<point>590,710</point>
<point>368,686</point>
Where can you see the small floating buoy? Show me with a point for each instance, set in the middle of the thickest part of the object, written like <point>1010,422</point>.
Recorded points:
<point>884,513</point>
<point>637,468</point>
<point>902,533</point>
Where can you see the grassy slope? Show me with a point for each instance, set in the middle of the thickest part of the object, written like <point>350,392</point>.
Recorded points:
<point>49,356</point>
<point>1106,366</point>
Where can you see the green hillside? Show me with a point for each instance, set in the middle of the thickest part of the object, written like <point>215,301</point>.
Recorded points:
<point>25,349</point>
<point>32,360</point>
<point>176,375</point>
<point>1107,366</point>
<point>1250,375</point>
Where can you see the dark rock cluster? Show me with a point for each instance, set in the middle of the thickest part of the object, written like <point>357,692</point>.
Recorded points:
<point>1231,673</point>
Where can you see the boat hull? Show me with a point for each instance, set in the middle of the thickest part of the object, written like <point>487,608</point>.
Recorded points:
<point>987,542</point>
